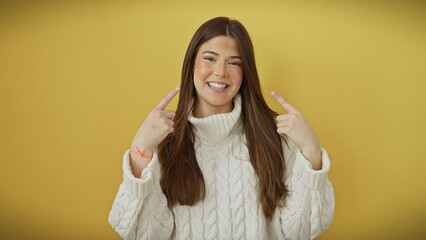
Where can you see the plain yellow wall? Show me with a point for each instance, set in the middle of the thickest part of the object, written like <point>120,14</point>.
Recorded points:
<point>77,80</point>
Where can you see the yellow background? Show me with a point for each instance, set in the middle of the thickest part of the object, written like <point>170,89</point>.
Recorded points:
<point>77,80</point>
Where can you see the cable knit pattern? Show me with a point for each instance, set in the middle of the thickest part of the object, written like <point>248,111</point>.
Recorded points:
<point>223,197</point>
<point>237,200</point>
<point>230,209</point>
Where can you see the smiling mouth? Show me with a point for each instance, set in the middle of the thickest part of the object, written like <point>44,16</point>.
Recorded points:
<point>217,85</point>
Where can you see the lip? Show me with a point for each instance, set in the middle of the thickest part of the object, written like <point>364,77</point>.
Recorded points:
<point>227,85</point>
<point>217,90</point>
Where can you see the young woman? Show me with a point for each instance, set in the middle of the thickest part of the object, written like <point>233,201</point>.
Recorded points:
<point>224,165</point>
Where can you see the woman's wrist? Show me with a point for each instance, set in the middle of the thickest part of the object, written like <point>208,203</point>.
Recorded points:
<point>140,156</point>
<point>142,152</point>
<point>314,155</point>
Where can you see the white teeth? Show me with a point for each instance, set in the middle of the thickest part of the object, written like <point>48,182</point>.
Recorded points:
<point>217,85</point>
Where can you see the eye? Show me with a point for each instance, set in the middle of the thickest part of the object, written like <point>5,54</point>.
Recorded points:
<point>210,59</point>
<point>235,64</point>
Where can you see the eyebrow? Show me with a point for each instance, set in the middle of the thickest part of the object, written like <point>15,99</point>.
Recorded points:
<point>217,54</point>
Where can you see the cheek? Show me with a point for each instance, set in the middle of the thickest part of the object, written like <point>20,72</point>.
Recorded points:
<point>237,76</point>
<point>205,69</point>
<point>202,69</point>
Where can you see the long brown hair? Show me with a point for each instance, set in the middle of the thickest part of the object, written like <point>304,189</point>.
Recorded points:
<point>182,180</point>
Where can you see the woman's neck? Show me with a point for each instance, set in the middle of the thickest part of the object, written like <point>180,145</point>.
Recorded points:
<point>216,128</point>
<point>205,110</point>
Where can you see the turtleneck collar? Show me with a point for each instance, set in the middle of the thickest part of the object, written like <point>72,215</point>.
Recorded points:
<point>217,127</point>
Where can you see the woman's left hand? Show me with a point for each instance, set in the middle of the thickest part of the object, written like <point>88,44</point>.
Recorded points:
<point>294,125</point>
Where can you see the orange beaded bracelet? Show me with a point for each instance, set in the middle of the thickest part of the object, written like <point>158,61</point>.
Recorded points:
<point>140,153</point>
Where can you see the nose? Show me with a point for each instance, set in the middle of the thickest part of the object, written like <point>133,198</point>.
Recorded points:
<point>220,69</point>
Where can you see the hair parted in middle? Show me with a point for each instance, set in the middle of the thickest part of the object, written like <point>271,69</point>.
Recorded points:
<point>182,180</point>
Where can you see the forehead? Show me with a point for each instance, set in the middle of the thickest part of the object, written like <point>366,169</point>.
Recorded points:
<point>222,45</point>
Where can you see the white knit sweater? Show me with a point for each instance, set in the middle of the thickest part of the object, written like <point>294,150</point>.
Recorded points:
<point>230,209</point>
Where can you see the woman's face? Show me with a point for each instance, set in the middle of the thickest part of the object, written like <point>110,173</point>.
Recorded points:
<point>218,75</point>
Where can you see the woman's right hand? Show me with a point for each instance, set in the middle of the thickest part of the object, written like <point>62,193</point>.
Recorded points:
<point>156,126</point>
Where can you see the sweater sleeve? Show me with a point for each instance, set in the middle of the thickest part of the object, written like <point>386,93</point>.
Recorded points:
<point>140,209</point>
<point>309,207</point>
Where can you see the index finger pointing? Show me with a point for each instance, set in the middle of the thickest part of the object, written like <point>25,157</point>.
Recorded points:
<point>165,101</point>
<point>286,105</point>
